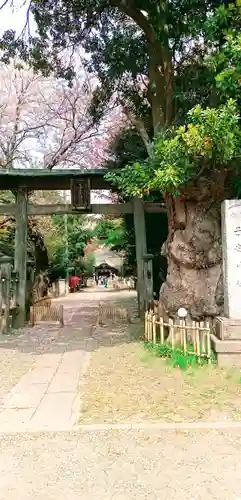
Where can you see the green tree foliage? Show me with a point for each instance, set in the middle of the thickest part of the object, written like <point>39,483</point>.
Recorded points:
<point>78,235</point>
<point>225,59</point>
<point>89,264</point>
<point>7,236</point>
<point>151,56</point>
<point>112,233</point>
<point>211,140</point>
<point>148,54</point>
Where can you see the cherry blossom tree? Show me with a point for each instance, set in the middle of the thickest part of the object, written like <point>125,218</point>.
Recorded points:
<point>46,123</point>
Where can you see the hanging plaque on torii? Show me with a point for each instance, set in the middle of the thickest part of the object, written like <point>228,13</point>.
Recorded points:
<point>80,194</point>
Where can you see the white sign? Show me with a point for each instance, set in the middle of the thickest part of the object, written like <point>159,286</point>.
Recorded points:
<point>231,247</point>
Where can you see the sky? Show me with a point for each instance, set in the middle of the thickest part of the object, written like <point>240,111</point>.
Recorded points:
<point>15,19</point>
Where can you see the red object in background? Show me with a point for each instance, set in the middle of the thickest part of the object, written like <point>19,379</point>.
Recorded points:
<point>74,281</point>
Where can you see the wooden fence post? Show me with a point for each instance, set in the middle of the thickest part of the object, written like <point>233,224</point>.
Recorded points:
<point>154,329</point>
<point>208,342</point>
<point>194,340</point>
<point>184,329</point>
<point>146,326</point>
<point>171,332</point>
<point>161,331</point>
<point>180,330</point>
<point>198,341</point>
<point>203,335</point>
<point>150,326</point>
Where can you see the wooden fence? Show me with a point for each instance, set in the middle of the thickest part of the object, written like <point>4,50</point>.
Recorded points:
<point>112,313</point>
<point>194,338</point>
<point>44,312</point>
<point>41,311</point>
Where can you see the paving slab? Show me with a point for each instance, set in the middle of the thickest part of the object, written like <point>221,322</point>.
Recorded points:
<point>14,418</point>
<point>28,396</point>
<point>39,375</point>
<point>71,356</point>
<point>55,411</point>
<point>64,382</point>
<point>50,360</point>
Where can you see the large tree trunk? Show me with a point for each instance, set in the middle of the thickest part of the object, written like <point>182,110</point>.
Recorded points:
<point>194,253</point>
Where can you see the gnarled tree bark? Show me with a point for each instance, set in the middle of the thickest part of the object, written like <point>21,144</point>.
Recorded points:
<point>193,250</point>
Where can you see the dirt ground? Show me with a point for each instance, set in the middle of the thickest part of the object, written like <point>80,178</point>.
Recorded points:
<point>127,383</point>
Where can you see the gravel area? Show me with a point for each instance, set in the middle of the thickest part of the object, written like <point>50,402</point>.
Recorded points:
<point>13,366</point>
<point>122,466</point>
<point>127,383</point>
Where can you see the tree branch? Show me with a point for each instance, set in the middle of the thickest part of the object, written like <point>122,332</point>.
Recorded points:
<point>127,7</point>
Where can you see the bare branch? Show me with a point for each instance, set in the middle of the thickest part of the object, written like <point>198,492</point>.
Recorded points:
<point>5,3</point>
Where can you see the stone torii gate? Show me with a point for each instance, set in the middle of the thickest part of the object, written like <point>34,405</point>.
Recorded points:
<point>80,182</point>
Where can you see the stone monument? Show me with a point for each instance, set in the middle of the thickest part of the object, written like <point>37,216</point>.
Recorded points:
<point>227,341</point>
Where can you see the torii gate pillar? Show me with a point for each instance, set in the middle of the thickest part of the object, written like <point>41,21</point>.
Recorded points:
<point>141,251</point>
<point>20,257</point>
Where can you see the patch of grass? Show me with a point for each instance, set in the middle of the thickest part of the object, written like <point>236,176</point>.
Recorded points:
<point>177,357</point>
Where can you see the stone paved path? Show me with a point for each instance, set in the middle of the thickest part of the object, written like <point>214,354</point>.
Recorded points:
<point>46,397</point>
